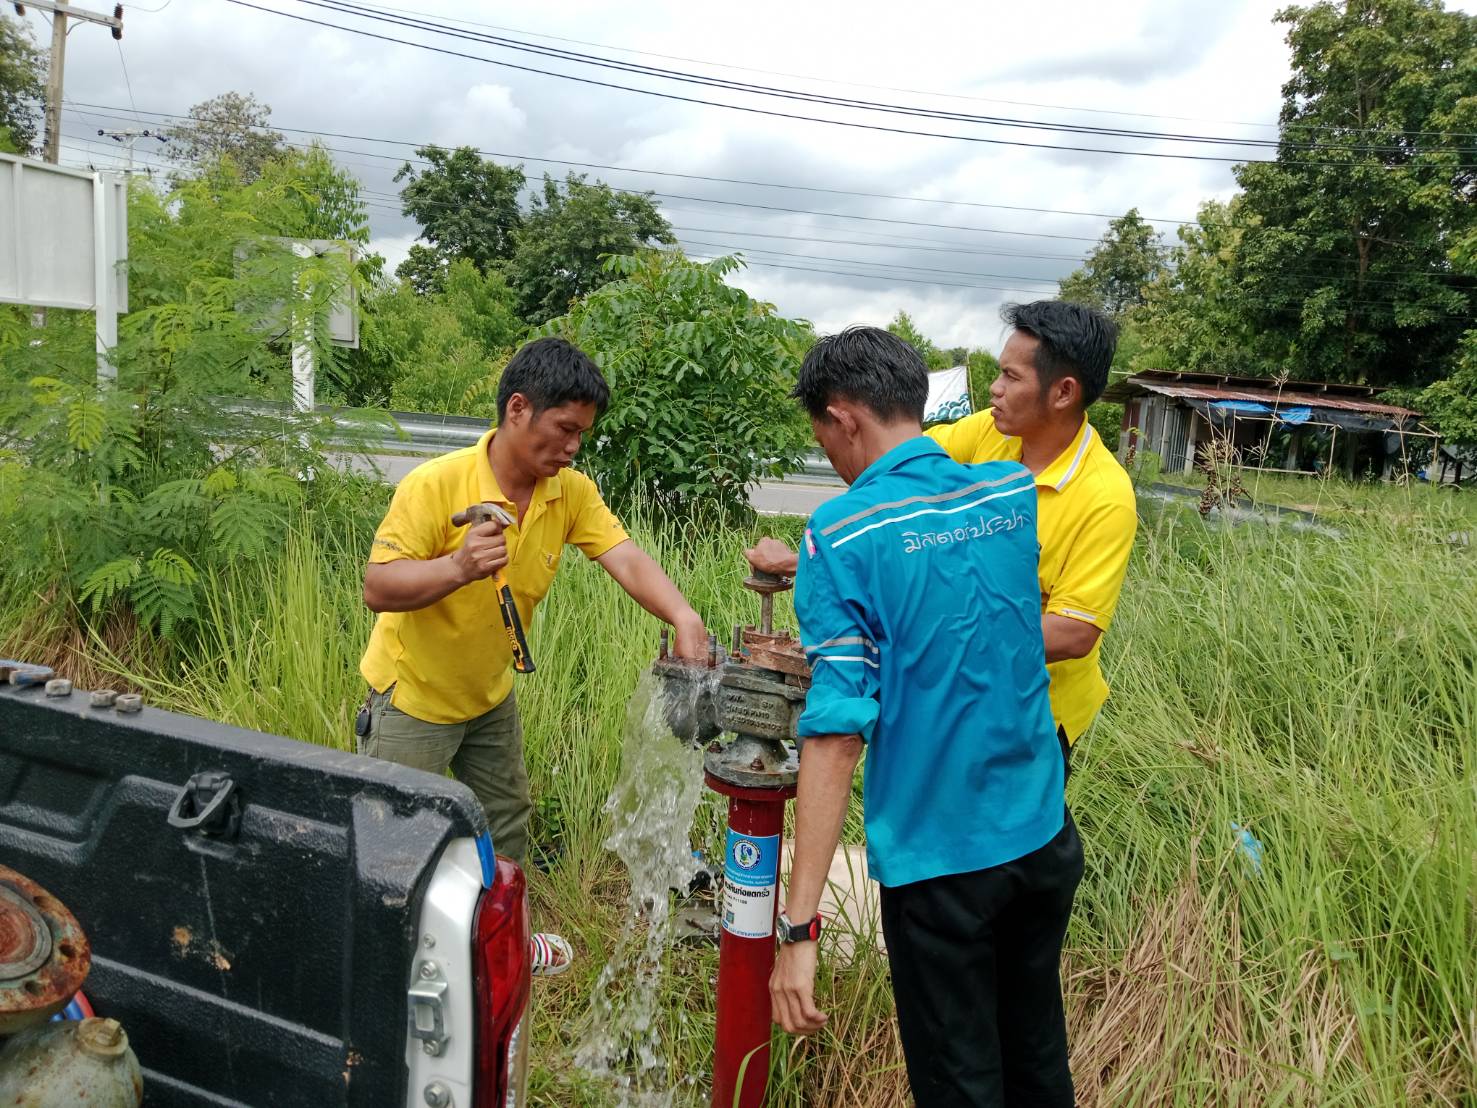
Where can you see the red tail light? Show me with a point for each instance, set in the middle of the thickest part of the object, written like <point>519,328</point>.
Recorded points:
<point>500,967</point>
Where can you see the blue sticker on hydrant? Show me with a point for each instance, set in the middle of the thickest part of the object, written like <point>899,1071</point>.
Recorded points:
<point>750,873</point>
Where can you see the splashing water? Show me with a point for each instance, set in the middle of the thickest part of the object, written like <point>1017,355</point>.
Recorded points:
<point>651,811</point>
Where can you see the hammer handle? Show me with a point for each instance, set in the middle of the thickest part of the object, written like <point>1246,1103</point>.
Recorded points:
<point>512,621</point>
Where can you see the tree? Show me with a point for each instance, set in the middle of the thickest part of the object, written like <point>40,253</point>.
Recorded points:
<point>1451,403</point>
<point>984,367</point>
<point>227,126</point>
<point>128,495</point>
<point>467,207</point>
<point>700,376</point>
<point>1347,264</point>
<point>319,200</point>
<point>22,86</point>
<point>1197,314</point>
<point>1130,256</point>
<point>559,250</point>
<point>436,351</point>
<point>903,327</point>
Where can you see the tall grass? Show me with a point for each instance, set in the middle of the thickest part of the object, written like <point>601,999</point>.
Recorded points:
<point>1318,691</point>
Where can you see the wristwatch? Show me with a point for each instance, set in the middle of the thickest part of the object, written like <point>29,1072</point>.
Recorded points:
<point>807,932</point>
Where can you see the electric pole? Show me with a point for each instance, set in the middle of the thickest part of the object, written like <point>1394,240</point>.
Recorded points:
<point>129,137</point>
<point>60,13</point>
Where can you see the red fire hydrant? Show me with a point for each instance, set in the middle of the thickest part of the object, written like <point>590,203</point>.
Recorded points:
<point>760,694</point>
<point>746,950</point>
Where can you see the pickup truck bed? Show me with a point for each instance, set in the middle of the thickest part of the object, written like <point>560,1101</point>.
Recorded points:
<point>257,966</point>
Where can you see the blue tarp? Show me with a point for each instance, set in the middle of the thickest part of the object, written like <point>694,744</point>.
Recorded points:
<point>1293,415</point>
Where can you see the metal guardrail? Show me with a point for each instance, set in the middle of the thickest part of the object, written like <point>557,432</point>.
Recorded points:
<point>429,433</point>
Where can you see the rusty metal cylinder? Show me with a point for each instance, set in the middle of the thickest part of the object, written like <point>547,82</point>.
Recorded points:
<point>71,1063</point>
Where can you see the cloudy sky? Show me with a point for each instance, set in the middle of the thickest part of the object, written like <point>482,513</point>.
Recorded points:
<point>1161,66</point>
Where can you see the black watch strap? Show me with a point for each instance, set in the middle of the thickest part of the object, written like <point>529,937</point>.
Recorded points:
<point>807,932</point>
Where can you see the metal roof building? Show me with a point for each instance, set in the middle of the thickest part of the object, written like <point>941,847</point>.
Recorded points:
<point>1256,423</point>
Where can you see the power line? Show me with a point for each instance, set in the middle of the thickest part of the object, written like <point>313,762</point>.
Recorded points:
<point>1265,303</point>
<point>1311,279</point>
<point>737,203</point>
<point>386,201</point>
<point>888,265</point>
<point>126,81</point>
<point>919,92</point>
<point>652,172</point>
<point>364,11</point>
<point>879,245</point>
<point>778,114</point>
<point>829,81</point>
<point>882,277</point>
<point>809,212</point>
<point>706,200</point>
<point>701,200</point>
<point>876,218</point>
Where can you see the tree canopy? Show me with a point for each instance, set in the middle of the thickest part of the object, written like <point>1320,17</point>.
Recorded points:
<point>22,87</point>
<point>570,227</point>
<point>1130,257</point>
<point>700,375</point>
<point>232,125</point>
<point>467,207</point>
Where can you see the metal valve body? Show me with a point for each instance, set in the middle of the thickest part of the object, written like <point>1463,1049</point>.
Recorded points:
<point>759,695</point>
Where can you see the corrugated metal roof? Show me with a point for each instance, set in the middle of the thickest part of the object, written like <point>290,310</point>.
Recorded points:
<point>1272,397</point>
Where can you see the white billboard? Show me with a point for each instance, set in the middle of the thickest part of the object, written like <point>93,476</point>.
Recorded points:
<point>63,233</point>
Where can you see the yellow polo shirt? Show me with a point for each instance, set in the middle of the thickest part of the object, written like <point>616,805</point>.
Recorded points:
<point>451,662</point>
<point>1085,521</point>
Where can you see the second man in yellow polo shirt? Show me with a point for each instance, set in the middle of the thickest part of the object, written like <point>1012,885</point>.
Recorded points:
<point>439,664</point>
<point>1053,366</point>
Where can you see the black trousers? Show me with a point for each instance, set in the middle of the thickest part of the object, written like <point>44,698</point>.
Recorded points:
<point>976,972</point>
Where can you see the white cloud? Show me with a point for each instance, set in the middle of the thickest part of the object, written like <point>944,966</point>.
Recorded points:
<point>1218,66</point>
<point>487,117</point>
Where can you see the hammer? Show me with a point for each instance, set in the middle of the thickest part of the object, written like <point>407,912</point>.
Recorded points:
<point>512,622</point>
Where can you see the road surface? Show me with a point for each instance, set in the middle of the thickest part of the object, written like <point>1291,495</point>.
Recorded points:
<point>797,497</point>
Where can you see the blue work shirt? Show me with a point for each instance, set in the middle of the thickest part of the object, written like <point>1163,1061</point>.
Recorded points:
<point>921,618</point>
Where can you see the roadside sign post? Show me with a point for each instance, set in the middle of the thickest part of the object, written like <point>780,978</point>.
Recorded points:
<point>64,244</point>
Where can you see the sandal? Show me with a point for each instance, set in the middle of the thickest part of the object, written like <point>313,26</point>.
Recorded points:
<point>550,954</point>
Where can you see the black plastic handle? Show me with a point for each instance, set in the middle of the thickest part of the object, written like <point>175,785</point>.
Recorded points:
<point>221,812</point>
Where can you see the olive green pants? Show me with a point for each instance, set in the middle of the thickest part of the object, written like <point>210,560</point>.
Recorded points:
<point>485,754</point>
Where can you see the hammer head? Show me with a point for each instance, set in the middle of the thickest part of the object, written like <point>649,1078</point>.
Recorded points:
<point>485,512</point>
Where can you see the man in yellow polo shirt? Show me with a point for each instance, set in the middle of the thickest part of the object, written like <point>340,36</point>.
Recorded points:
<point>439,665</point>
<point>1054,365</point>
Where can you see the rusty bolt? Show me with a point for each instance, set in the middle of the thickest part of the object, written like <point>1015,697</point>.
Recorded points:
<point>757,765</point>
<point>102,1037</point>
<point>129,702</point>
<point>58,686</point>
<point>714,747</point>
<point>104,698</point>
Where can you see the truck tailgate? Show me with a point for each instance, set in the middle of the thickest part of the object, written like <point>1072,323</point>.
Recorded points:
<point>265,966</point>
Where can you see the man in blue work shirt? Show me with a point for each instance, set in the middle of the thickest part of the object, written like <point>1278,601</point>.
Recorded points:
<point>920,611</point>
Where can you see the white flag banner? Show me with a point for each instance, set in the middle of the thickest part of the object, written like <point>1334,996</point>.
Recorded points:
<point>948,395</point>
